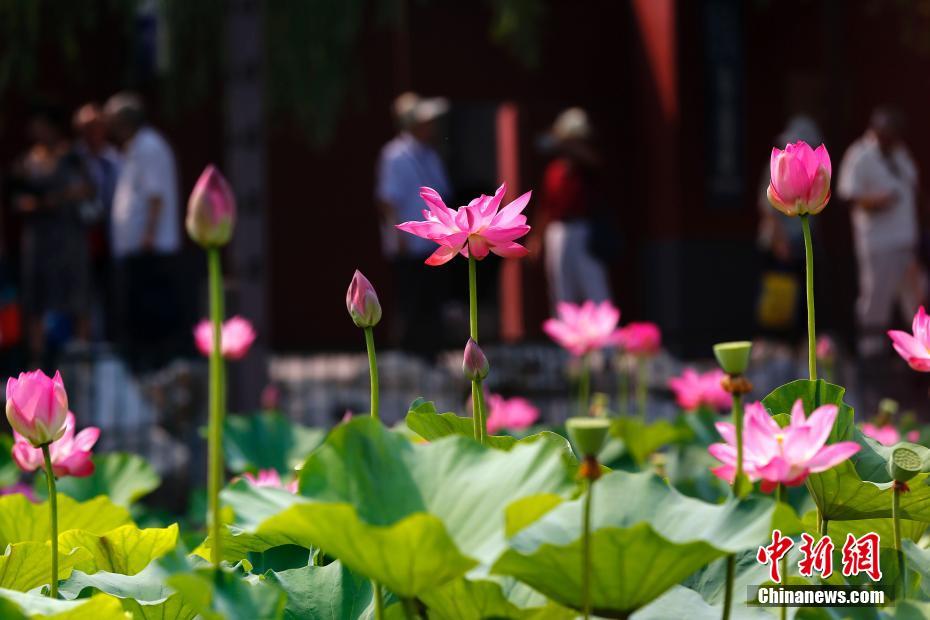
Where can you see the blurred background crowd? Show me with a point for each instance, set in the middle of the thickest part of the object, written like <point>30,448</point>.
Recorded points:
<point>643,128</point>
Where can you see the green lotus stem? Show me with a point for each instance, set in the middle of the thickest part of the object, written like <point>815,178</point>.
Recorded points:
<point>472,298</point>
<point>642,386</point>
<point>479,412</point>
<point>586,551</point>
<point>896,525</point>
<point>824,526</point>
<point>780,496</point>
<point>217,404</point>
<point>53,518</point>
<point>379,600</point>
<point>584,387</point>
<point>372,370</point>
<point>410,609</point>
<point>623,390</point>
<point>809,273</point>
<point>738,425</point>
<point>728,592</point>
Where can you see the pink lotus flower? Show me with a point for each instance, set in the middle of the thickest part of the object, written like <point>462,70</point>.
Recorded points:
<point>472,230</point>
<point>270,398</point>
<point>913,436</point>
<point>694,390</point>
<point>510,413</point>
<point>20,488</point>
<point>778,455</point>
<point>37,406</point>
<point>70,454</point>
<point>886,435</point>
<point>211,210</point>
<point>800,179</point>
<point>585,328</point>
<point>915,349</point>
<point>270,478</point>
<point>237,337</point>
<point>641,339</point>
<point>362,301</point>
<point>825,349</point>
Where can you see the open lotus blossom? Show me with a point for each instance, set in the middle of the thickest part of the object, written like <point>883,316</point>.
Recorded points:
<point>510,413</point>
<point>640,339</point>
<point>914,348</point>
<point>886,435</point>
<point>694,390</point>
<point>70,454</point>
<point>476,229</point>
<point>778,455</point>
<point>800,182</point>
<point>270,478</point>
<point>237,337</point>
<point>37,406</point>
<point>585,328</point>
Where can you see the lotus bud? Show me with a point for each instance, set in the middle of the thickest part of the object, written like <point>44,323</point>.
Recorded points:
<point>588,434</point>
<point>211,210</point>
<point>362,301</point>
<point>37,406</point>
<point>474,364</point>
<point>733,357</point>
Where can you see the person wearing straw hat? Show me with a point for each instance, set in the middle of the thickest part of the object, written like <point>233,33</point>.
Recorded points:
<point>407,163</point>
<point>569,195</point>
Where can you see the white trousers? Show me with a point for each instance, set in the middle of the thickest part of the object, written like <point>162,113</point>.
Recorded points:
<point>573,273</point>
<point>885,277</point>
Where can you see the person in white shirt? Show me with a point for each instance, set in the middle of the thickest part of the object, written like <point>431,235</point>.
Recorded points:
<point>879,178</point>
<point>145,231</point>
<point>407,163</point>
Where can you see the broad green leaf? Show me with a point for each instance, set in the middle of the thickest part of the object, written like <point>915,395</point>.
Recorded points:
<point>21,520</point>
<point>145,594</point>
<point>643,438</point>
<point>405,515</point>
<point>23,606</point>
<point>814,394</point>
<point>330,592</point>
<point>121,476</point>
<point>267,441</point>
<point>681,602</point>
<point>224,595</point>
<point>125,550</point>
<point>883,527</point>
<point>677,534</point>
<point>28,565</point>
<point>425,421</point>
<point>841,496</point>
<point>491,597</point>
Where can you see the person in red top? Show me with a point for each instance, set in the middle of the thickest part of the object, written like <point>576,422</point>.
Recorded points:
<point>574,274</point>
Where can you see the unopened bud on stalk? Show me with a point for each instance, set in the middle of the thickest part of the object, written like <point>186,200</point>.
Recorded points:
<point>211,210</point>
<point>475,364</point>
<point>362,301</point>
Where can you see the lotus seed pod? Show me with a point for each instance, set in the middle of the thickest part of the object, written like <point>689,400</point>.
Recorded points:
<point>733,357</point>
<point>588,434</point>
<point>904,463</point>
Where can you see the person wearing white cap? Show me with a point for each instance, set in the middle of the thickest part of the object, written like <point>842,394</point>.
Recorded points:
<point>407,163</point>
<point>569,197</point>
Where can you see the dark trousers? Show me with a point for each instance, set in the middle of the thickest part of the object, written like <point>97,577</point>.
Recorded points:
<point>149,309</point>
<point>420,295</point>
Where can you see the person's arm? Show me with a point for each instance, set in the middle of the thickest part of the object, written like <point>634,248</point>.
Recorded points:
<point>386,192</point>
<point>860,185</point>
<point>155,206</point>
